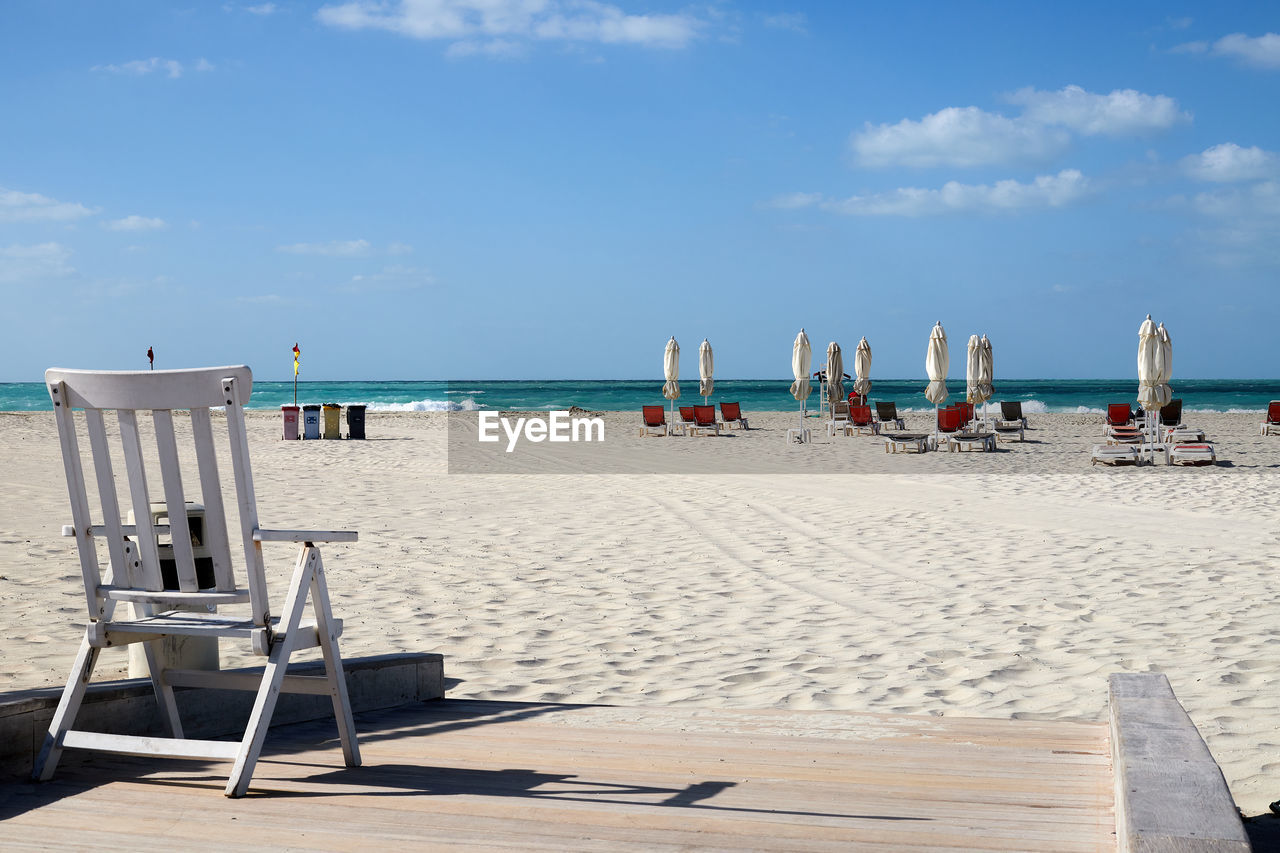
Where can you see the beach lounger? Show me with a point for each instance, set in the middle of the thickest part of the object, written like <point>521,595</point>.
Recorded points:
<point>704,420</point>
<point>1272,424</point>
<point>1119,414</point>
<point>839,417</point>
<point>887,413</point>
<point>731,413</point>
<point>950,419</point>
<point>1011,422</point>
<point>1114,454</point>
<point>655,419</point>
<point>687,420</point>
<point>1190,454</point>
<point>1121,435</point>
<point>971,441</point>
<point>860,419</point>
<point>1183,435</point>
<point>1011,413</point>
<point>966,413</point>
<point>1171,414</point>
<point>904,441</point>
<point>138,562</point>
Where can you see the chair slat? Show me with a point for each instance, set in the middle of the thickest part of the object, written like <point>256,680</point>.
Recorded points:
<point>255,574</point>
<point>215,516</point>
<point>175,499</point>
<point>137,472</point>
<point>120,568</point>
<point>79,498</point>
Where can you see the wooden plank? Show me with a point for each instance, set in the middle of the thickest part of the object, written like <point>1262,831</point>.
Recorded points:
<point>184,558</point>
<point>152,746</point>
<point>217,539</point>
<point>136,471</point>
<point>107,496</point>
<point>305,536</point>
<point>1170,793</point>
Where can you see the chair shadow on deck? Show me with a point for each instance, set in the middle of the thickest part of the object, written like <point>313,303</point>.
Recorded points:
<point>284,766</point>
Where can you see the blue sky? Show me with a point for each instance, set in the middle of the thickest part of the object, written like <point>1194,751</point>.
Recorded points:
<point>453,189</point>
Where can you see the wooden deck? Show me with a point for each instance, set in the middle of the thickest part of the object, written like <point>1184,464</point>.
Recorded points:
<point>564,777</point>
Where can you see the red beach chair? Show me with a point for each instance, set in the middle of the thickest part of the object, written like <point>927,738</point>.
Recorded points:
<point>731,413</point>
<point>704,419</point>
<point>1272,424</point>
<point>860,418</point>
<point>1119,414</point>
<point>655,418</point>
<point>950,419</point>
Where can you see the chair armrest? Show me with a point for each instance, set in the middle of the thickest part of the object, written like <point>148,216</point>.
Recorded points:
<point>304,535</point>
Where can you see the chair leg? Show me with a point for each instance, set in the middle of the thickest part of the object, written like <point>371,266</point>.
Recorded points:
<point>264,704</point>
<point>333,665</point>
<point>65,716</point>
<point>169,719</point>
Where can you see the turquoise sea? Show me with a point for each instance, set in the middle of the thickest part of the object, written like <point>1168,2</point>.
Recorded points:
<point>1037,395</point>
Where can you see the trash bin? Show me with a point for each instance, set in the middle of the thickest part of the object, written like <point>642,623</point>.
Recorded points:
<point>310,421</point>
<point>355,421</point>
<point>290,422</point>
<point>180,652</point>
<point>332,414</point>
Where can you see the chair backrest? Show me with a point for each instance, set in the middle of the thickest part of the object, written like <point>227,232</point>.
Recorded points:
<point>1273,412</point>
<point>839,410</point>
<point>856,399</point>
<point>654,415</point>
<point>860,415</point>
<point>950,419</point>
<point>887,411</point>
<point>686,414</point>
<point>1171,413</point>
<point>1011,410</point>
<point>1119,413</point>
<point>966,411</point>
<point>704,415</point>
<point>135,564</point>
<point>731,411</point>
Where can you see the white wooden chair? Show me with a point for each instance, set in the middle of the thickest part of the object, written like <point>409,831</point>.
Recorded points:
<point>135,573</point>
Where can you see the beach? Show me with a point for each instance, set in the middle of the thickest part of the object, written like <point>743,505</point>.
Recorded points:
<point>743,572</point>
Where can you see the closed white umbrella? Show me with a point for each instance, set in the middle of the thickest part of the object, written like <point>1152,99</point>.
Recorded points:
<point>937,362</point>
<point>977,374</point>
<point>801,355</point>
<point>1150,363</point>
<point>862,368</point>
<point>986,371</point>
<point>835,373</point>
<point>1166,365</point>
<point>671,370</point>
<point>705,367</point>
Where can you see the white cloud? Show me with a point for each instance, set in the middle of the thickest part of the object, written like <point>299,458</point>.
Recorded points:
<point>1064,188</point>
<point>505,20</point>
<point>263,9</point>
<point>796,22</point>
<point>333,248</point>
<point>794,201</point>
<point>957,136</point>
<point>969,136</point>
<point>399,249</point>
<point>1260,202</point>
<point>1123,112</point>
<point>135,223</point>
<point>21,264</point>
<point>493,47</point>
<point>392,278</point>
<point>140,67</point>
<point>203,64</point>
<point>1260,52</point>
<point>18,206</point>
<point>1228,163</point>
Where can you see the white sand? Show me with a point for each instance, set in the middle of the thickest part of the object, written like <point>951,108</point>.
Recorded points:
<point>1006,584</point>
